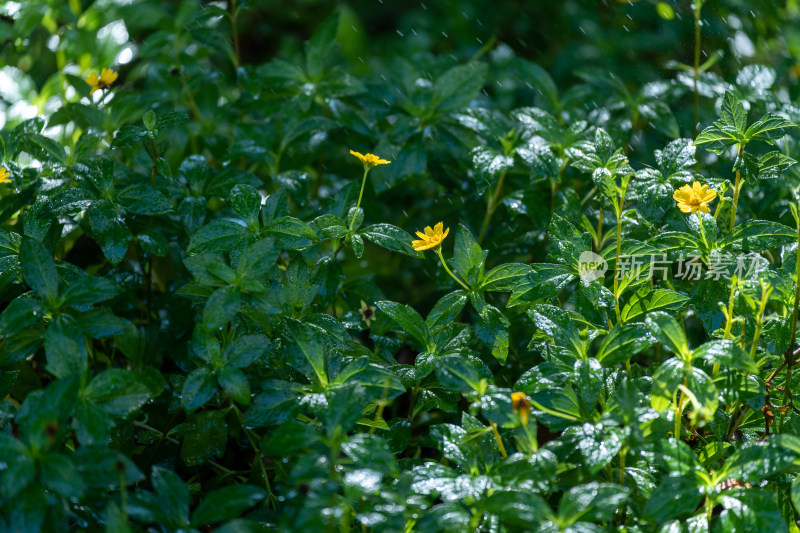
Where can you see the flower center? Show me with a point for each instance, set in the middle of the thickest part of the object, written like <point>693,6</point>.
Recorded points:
<point>694,200</point>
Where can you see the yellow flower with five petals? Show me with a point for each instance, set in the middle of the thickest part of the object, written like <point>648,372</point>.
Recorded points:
<point>4,175</point>
<point>694,198</point>
<point>106,78</point>
<point>432,237</point>
<point>370,160</point>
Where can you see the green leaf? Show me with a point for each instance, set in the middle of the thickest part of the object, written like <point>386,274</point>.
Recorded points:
<point>218,236</point>
<point>291,232</point>
<point>758,235</point>
<point>21,314</point>
<point>89,290</point>
<point>456,88</point>
<point>544,282</point>
<point>504,277</point>
<point>675,497</point>
<point>732,112</point>
<point>458,374</point>
<point>407,318</point>
<point>143,199</point>
<point>623,342</point>
<point>173,495</point>
<point>646,300</point>
<point>50,147</point>
<point>226,503</point>
<point>445,311</point>
<point>128,135</point>
<point>769,128</point>
<point>390,237</point>
<point>492,329</point>
<point>235,384</point>
<point>118,392</point>
<point>320,47</point>
<point>468,258</point>
<point>222,307</point>
<point>272,408</point>
<point>246,201</point>
<point>328,227</point>
<point>245,350</point>
<point>38,268</point>
<point>65,347</point>
<point>668,332</point>
<point>717,139</point>
<point>557,324</point>
<point>308,350</point>
<point>752,510</point>
<point>198,388</point>
<point>109,230</point>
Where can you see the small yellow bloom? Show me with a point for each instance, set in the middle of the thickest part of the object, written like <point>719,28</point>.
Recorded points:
<point>521,406</point>
<point>370,160</point>
<point>367,312</point>
<point>106,78</point>
<point>431,238</point>
<point>4,174</point>
<point>690,199</point>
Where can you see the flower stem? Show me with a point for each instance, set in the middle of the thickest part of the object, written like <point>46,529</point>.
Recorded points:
<point>697,25</point>
<point>360,194</point>
<point>619,249</point>
<point>736,188</point>
<point>491,207</point>
<point>790,352</point>
<point>499,440</point>
<point>702,229</point>
<point>444,264</point>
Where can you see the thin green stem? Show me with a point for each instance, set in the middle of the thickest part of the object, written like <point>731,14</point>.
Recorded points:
<point>697,7</point>
<point>790,352</point>
<point>702,229</point>
<point>447,268</point>
<point>360,194</point>
<point>765,292</point>
<point>493,200</point>
<point>619,250</point>
<point>499,440</point>
<point>736,188</point>
<point>257,452</point>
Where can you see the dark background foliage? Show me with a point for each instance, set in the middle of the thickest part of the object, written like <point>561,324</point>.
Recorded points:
<point>182,346</point>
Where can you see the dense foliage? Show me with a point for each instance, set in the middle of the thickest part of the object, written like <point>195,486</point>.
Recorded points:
<point>563,297</point>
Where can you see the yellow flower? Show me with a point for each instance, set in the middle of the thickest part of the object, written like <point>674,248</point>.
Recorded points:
<point>690,199</point>
<point>431,238</point>
<point>370,160</point>
<point>4,174</point>
<point>521,406</point>
<point>107,77</point>
<point>367,312</point>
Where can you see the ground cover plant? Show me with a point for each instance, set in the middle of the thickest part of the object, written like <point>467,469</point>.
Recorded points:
<point>435,267</point>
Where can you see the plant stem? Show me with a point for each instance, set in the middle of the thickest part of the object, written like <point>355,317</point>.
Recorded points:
<point>765,292</point>
<point>702,229</point>
<point>491,207</point>
<point>499,440</point>
<point>790,351</point>
<point>257,451</point>
<point>235,34</point>
<point>379,410</point>
<point>619,249</point>
<point>444,264</point>
<point>737,186</point>
<point>697,7</point>
<point>358,204</point>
